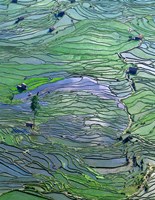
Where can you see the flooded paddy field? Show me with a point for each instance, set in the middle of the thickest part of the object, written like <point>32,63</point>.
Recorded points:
<point>91,65</point>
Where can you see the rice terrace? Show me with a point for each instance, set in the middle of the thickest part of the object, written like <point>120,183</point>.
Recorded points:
<point>77,99</point>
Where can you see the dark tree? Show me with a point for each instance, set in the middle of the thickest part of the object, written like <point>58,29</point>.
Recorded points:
<point>35,105</point>
<point>11,96</point>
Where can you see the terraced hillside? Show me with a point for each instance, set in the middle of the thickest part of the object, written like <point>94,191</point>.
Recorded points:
<point>92,135</point>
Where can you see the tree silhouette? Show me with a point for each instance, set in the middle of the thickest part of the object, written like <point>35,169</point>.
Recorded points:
<point>11,95</point>
<point>35,105</point>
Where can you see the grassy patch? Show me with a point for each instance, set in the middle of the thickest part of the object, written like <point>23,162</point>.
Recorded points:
<point>16,195</point>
